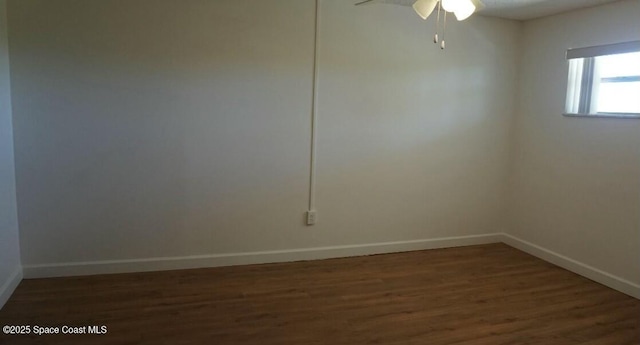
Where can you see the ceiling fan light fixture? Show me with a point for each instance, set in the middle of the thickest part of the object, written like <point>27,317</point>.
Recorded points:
<point>465,10</point>
<point>462,9</point>
<point>424,8</point>
<point>450,5</point>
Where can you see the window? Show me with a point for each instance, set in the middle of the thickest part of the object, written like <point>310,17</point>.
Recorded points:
<point>604,80</point>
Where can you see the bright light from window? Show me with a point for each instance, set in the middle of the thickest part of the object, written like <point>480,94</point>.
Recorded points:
<point>619,65</point>
<point>619,83</point>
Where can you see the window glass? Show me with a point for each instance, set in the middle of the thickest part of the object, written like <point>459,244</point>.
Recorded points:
<point>604,85</point>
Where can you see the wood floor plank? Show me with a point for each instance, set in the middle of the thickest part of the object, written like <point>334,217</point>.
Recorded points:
<point>478,295</point>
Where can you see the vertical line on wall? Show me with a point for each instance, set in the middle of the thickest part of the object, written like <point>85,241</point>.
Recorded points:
<point>314,110</point>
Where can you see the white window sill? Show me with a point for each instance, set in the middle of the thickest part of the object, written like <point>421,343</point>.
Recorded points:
<point>606,116</point>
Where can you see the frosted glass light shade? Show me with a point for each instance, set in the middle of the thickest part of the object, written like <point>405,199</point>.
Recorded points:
<point>450,5</point>
<point>424,7</point>
<point>461,8</point>
<point>464,10</point>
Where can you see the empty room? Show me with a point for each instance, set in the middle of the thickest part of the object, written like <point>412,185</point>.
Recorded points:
<point>320,172</point>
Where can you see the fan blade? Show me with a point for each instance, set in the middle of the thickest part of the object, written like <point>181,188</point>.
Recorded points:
<point>479,5</point>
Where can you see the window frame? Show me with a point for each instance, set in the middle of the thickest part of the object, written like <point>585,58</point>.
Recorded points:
<point>586,78</point>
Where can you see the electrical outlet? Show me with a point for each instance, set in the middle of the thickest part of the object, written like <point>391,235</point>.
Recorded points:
<point>311,217</point>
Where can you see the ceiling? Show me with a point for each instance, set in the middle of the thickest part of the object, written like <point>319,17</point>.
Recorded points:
<point>520,9</point>
<point>530,9</point>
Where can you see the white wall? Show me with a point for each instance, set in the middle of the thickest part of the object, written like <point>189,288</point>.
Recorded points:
<point>173,128</point>
<point>413,140</point>
<point>10,268</point>
<point>576,181</point>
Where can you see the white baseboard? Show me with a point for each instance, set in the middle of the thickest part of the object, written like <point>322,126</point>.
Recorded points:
<point>217,260</point>
<point>9,286</point>
<point>574,266</point>
<point>232,259</point>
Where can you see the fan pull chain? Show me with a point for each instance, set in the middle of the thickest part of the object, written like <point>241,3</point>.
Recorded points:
<point>435,37</point>
<point>444,29</point>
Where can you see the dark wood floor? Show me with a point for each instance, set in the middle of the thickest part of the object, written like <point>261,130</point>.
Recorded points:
<point>490,294</point>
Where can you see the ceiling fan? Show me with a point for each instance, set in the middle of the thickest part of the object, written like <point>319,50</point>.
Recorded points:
<point>462,9</point>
